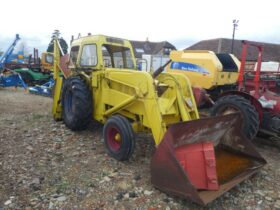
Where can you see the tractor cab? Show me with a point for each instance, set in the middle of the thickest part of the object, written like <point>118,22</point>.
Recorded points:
<point>99,52</point>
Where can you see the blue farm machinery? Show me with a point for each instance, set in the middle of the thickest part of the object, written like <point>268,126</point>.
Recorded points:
<point>8,77</point>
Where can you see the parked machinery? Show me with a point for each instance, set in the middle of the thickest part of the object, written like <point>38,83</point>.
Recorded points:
<point>194,159</point>
<point>233,89</point>
<point>34,72</point>
<point>18,72</point>
<point>269,77</point>
<point>8,77</point>
<point>214,72</point>
<point>45,85</point>
<point>259,106</point>
<point>46,89</point>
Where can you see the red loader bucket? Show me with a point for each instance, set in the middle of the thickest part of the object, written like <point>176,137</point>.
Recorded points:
<point>202,159</point>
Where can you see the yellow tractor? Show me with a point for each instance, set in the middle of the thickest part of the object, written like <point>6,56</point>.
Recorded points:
<point>198,159</point>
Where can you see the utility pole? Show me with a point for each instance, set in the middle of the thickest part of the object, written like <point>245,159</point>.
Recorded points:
<point>235,24</point>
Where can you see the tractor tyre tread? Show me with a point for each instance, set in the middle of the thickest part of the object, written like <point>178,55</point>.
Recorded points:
<point>127,134</point>
<point>131,134</point>
<point>82,100</point>
<point>248,111</point>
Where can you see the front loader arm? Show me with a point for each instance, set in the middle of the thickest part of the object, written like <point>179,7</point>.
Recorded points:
<point>137,96</point>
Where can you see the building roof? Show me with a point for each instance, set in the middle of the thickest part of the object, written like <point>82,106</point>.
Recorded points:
<point>147,47</point>
<point>223,45</point>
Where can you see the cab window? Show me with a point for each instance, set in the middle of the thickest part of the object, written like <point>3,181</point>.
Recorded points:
<point>89,55</point>
<point>74,54</point>
<point>117,56</point>
<point>118,59</point>
<point>49,59</point>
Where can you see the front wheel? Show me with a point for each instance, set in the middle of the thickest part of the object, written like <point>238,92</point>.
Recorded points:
<point>118,137</point>
<point>234,103</point>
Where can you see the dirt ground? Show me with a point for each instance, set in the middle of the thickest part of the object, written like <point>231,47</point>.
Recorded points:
<point>44,165</point>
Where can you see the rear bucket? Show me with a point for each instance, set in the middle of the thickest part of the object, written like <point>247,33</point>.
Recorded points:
<point>202,159</point>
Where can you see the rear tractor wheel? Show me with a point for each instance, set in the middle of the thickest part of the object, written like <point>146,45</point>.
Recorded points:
<point>233,103</point>
<point>76,104</point>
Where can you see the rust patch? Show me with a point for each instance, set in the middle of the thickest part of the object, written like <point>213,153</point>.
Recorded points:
<point>230,165</point>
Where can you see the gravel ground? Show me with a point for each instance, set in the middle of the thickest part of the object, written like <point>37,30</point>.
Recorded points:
<point>44,165</point>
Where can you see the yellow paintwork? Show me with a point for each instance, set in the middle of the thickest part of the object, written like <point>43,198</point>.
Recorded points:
<point>208,60</point>
<point>150,104</point>
<point>56,108</point>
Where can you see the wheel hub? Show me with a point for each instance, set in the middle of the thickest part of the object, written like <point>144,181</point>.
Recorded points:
<point>114,139</point>
<point>118,137</point>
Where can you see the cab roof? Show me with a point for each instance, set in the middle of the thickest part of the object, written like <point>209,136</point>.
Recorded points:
<point>102,39</point>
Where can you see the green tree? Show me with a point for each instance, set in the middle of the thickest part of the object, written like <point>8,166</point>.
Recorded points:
<point>62,42</point>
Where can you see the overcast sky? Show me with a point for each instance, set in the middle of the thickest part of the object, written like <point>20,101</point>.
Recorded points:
<point>180,22</point>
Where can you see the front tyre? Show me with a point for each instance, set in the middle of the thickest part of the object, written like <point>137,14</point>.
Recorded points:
<point>119,138</point>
